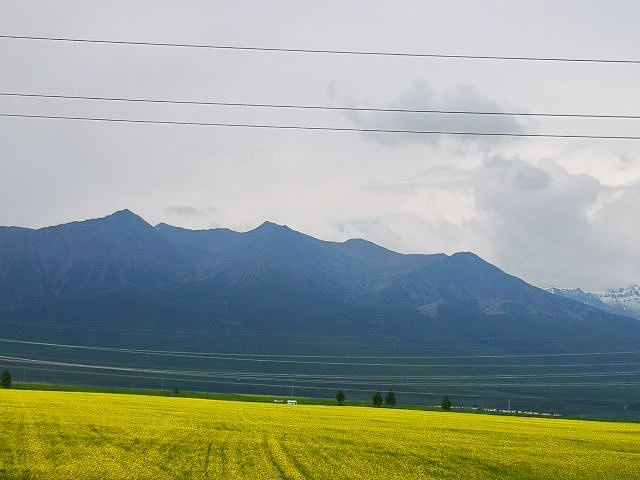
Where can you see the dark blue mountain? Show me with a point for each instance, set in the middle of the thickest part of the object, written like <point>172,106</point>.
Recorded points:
<point>120,272</point>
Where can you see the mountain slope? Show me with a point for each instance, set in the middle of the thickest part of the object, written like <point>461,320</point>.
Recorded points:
<point>83,257</point>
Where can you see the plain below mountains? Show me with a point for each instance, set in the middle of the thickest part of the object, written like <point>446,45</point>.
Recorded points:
<point>119,273</point>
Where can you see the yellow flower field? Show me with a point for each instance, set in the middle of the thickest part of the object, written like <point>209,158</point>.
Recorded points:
<point>70,435</point>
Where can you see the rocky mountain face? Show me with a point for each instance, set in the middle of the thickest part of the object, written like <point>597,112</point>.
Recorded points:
<point>119,272</point>
<point>620,301</point>
<point>625,300</point>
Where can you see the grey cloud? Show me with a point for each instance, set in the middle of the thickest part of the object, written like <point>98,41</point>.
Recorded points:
<point>420,95</point>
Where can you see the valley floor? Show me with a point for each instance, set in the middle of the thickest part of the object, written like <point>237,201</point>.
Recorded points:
<point>63,435</point>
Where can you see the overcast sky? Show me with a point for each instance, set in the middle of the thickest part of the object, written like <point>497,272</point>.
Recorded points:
<point>555,212</point>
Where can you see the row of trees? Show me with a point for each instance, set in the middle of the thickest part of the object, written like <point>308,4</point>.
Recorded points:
<point>389,399</point>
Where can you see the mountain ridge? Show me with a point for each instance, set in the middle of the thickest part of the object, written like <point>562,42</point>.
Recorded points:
<point>120,269</point>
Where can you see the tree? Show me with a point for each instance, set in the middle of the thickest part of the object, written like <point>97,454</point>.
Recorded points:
<point>5,379</point>
<point>390,399</point>
<point>446,403</point>
<point>377,399</point>
<point>340,397</point>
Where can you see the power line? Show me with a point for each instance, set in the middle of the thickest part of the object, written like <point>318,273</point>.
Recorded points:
<point>218,355</point>
<point>319,378</point>
<point>367,381</point>
<point>322,378</point>
<point>309,382</point>
<point>269,377</point>
<point>324,129</point>
<point>325,51</point>
<point>283,386</point>
<point>318,107</point>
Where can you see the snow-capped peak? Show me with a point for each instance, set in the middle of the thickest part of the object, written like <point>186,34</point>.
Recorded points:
<point>623,301</point>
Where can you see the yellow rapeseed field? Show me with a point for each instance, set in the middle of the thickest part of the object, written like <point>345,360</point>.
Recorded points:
<point>70,435</point>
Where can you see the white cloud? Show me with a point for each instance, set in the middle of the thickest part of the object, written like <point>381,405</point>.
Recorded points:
<point>554,227</point>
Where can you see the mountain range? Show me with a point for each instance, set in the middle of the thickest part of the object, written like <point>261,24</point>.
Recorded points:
<point>117,301</point>
<point>122,273</point>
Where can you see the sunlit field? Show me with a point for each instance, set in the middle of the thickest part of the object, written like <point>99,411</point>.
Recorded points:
<point>72,435</point>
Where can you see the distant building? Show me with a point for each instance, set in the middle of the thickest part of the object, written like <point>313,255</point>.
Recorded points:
<point>292,402</point>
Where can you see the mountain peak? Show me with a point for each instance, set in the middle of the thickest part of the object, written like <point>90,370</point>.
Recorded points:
<point>469,257</point>
<point>123,213</point>
<point>271,227</point>
<point>125,218</point>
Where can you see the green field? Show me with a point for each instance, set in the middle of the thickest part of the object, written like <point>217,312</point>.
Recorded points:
<point>77,435</point>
